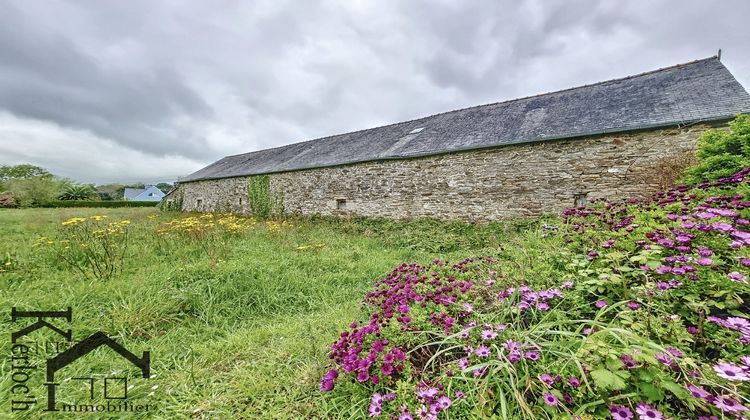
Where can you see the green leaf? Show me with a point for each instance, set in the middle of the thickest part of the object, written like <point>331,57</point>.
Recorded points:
<point>676,389</point>
<point>605,379</point>
<point>651,392</point>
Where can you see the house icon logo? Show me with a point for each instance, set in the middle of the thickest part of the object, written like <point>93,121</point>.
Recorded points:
<point>25,353</point>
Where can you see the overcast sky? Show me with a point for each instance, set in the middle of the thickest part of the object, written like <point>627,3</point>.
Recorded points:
<point>103,91</point>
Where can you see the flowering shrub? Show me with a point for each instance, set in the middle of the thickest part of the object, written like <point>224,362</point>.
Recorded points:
<point>209,232</point>
<point>91,245</point>
<point>648,319</point>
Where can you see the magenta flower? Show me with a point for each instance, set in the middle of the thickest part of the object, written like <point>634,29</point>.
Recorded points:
<point>737,277</point>
<point>601,304</point>
<point>532,355</point>
<point>550,399</point>
<point>731,372</point>
<point>729,405</point>
<point>645,411</point>
<point>697,391</point>
<point>488,335</point>
<point>444,402</point>
<point>634,306</point>
<point>547,379</point>
<point>463,363</point>
<point>574,382</point>
<point>620,412</point>
<point>482,351</point>
<point>705,261</point>
<point>628,361</point>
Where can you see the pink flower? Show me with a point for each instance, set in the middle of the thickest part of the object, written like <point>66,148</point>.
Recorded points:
<point>444,402</point>
<point>482,351</point>
<point>634,305</point>
<point>601,304</point>
<point>705,261</point>
<point>729,405</point>
<point>620,412</point>
<point>737,277</point>
<point>488,335</point>
<point>550,399</point>
<point>697,391</point>
<point>645,411</point>
<point>731,372</point>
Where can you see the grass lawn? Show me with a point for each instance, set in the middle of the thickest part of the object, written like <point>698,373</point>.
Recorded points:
<point>237,325</point>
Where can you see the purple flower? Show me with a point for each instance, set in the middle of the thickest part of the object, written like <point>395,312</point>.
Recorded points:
<point>705,261</point>
<point>488,335</point>
<point>601,304</point>
<point>665,359</point>
<point>547,379</point>
<point>620,412</point>
<point>628,361</point>
<point>729,405</point>
<point>444,402</point>
<point>705,252</point>
<point>645,411</point>
<point>482,351</point>
<point>532,355</point>
<point>634,305</point>
<point>697,391</point>
<point>731,372</point>
<point>692,330</point>
<point>550,399</point>
<point>737,277</point>
<point>542,306</point>
<point>459,395</point>
<point>567,285</point>
<point>675,352</point>
<point>463,363</point>
<point>574,382</point>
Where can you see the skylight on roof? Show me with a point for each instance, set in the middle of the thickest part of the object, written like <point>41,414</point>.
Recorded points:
<point>416,130</point>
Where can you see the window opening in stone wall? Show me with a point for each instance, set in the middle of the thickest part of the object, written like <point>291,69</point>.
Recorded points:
<point>240,201</point>
<point>579,200</point>
<point>340,204</point>
<point>199,203</point>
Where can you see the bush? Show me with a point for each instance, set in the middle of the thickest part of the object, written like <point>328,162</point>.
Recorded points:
<point>722,153</point>
<point>647,313</point>
<point>7,200</point>
<point>73,203</point>
<point>34,192</point>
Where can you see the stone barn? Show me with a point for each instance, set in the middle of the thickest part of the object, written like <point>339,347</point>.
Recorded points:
<point>521,157</point>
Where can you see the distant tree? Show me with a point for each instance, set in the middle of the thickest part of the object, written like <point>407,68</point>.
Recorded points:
<point>722,153</point>
<point>78,192</point>
<point>36,191</point>
<point>164,187</point>
<point>23,171</point>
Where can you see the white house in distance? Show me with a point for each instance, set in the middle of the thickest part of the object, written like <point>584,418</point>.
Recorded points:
<point>150,193</point>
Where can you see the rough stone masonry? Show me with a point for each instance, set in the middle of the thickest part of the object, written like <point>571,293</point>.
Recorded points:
<point>516,180</point>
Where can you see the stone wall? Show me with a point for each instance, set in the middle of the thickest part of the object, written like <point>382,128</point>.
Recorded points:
<point>510,181</point>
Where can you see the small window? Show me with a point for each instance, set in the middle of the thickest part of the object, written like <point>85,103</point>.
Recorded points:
<point>199,203</point>
<point>240,200</point>
<point>579,200</point>
<point>340,204</point>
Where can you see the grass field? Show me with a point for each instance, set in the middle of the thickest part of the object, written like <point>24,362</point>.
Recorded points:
<point>238,325</point>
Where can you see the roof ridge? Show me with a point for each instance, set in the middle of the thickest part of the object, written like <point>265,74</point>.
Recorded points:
<point>619,79</point>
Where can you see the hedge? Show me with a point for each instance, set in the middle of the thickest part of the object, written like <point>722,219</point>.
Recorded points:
<point>83,203</point>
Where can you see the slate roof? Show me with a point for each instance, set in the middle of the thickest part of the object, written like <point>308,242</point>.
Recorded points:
<point>702,90</point>
<point>130,193</point>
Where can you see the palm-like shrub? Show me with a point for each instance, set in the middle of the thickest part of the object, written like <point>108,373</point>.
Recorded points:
<point>78,192</point>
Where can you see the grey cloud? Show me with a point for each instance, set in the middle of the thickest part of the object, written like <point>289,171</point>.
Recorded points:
<point>190,82</point>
